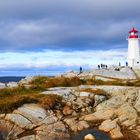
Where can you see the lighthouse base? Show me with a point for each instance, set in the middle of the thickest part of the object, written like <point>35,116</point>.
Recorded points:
<point>133,62</point>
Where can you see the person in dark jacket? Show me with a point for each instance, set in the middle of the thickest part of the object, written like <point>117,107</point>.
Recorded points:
<point>81,70</point>
<point>98,66</point>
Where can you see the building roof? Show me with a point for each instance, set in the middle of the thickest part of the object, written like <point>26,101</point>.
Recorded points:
<point>133,30</point>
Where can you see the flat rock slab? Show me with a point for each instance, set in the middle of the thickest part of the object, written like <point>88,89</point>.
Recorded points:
<point>36,114</point>
<point>66,92</point>
<point>19,120</point>
<point>124,73</point>
<point>56,131</point>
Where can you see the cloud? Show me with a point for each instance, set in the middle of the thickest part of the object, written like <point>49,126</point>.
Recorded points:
<point>60,35</point>
<point>35,25</point>
<point>48,59</point>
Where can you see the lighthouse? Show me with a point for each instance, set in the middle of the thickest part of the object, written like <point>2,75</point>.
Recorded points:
<point>133,48</point>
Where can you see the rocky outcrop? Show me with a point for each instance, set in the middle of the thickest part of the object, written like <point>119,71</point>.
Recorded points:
<point>2,85</point>
<point>26,80</point>
<point>82,109</point>
<point>118,112</point>
<point>76,125</point>
<point>29,117</point>
<point>53,131</point>
<point>113,90</point>
<point>105,74</point>
<point>112,128</point>
<point>70,74</point>
<point>12,84</point>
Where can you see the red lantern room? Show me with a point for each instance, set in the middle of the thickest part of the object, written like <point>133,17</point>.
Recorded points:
<point>133,33</point>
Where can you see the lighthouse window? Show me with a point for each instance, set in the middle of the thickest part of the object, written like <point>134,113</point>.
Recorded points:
<point>137,62</point>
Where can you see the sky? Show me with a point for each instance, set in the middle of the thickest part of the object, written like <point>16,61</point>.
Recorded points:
<point>48,37</point>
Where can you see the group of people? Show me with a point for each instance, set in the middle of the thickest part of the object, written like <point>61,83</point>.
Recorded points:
<point>126,64</point>
<point>102,66</point>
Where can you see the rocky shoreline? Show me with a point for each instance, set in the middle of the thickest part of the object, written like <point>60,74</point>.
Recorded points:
<point>109,112</point>
<point>113,110</point>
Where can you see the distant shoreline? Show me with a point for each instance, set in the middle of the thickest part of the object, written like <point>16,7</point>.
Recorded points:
<point>7,79</point>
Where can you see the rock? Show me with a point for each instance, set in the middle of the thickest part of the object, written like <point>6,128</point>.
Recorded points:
<point>31,137</point>
<point>84,94</point>
<point>74,114</point>
<point>79,126</point>
<point>98,116</point>
<point>113,102</point>
<point>116,106</point>
<point>89,137</point>
<point>67,93</point>
<point>124,73</point>
<point>108,125</point>
<point>104,78</point>
<point>52,132</point>
<point>10,129</point>
<point>75,125</point>
<point>82,125</point>
<point>70,121</point>
<point>26,80</point>
<point>36,114</point>
<point>2,116</point>
<point>2,85</point>
<point>67,110</point>
<point>112,90</point>
<point>12,84</point>
<point>137,103</point>
<point>116,133</point>
<point>99,99</point>
<point>83,102</point>
<point>70,74</point>
<point>128,113</point>
<point>19,120</point>
<point>59,114</point>
<point>112,127</point>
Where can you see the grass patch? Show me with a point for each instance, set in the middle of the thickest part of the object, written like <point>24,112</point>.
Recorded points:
<point>18,90</point>
<point>12,98</point>
<point>44,83</point>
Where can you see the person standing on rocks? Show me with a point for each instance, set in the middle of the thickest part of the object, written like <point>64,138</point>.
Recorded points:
<point>81,70</point>
<point>119,64</point>
<point>101,65</point>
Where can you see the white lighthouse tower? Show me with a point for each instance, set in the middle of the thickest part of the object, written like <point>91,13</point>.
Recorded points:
<point>133,48</point>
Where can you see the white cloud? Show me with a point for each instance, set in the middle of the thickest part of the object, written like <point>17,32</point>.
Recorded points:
<point>50,58</point>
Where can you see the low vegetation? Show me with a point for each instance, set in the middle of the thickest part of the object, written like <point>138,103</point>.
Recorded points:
<point>41,83</point>
<point>12,98</point>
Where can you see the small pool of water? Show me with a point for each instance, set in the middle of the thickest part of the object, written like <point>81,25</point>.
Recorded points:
<point>99,135</point>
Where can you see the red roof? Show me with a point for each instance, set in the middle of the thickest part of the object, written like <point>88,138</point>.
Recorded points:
<point>133,30</point>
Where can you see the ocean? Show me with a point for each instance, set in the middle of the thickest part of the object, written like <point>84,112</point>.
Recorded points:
<point>6,79</point>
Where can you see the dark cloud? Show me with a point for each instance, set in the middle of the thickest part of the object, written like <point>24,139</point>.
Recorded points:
<point>35,25</point>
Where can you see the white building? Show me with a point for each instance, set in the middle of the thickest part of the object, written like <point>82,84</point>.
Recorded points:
<point>133,48</point>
